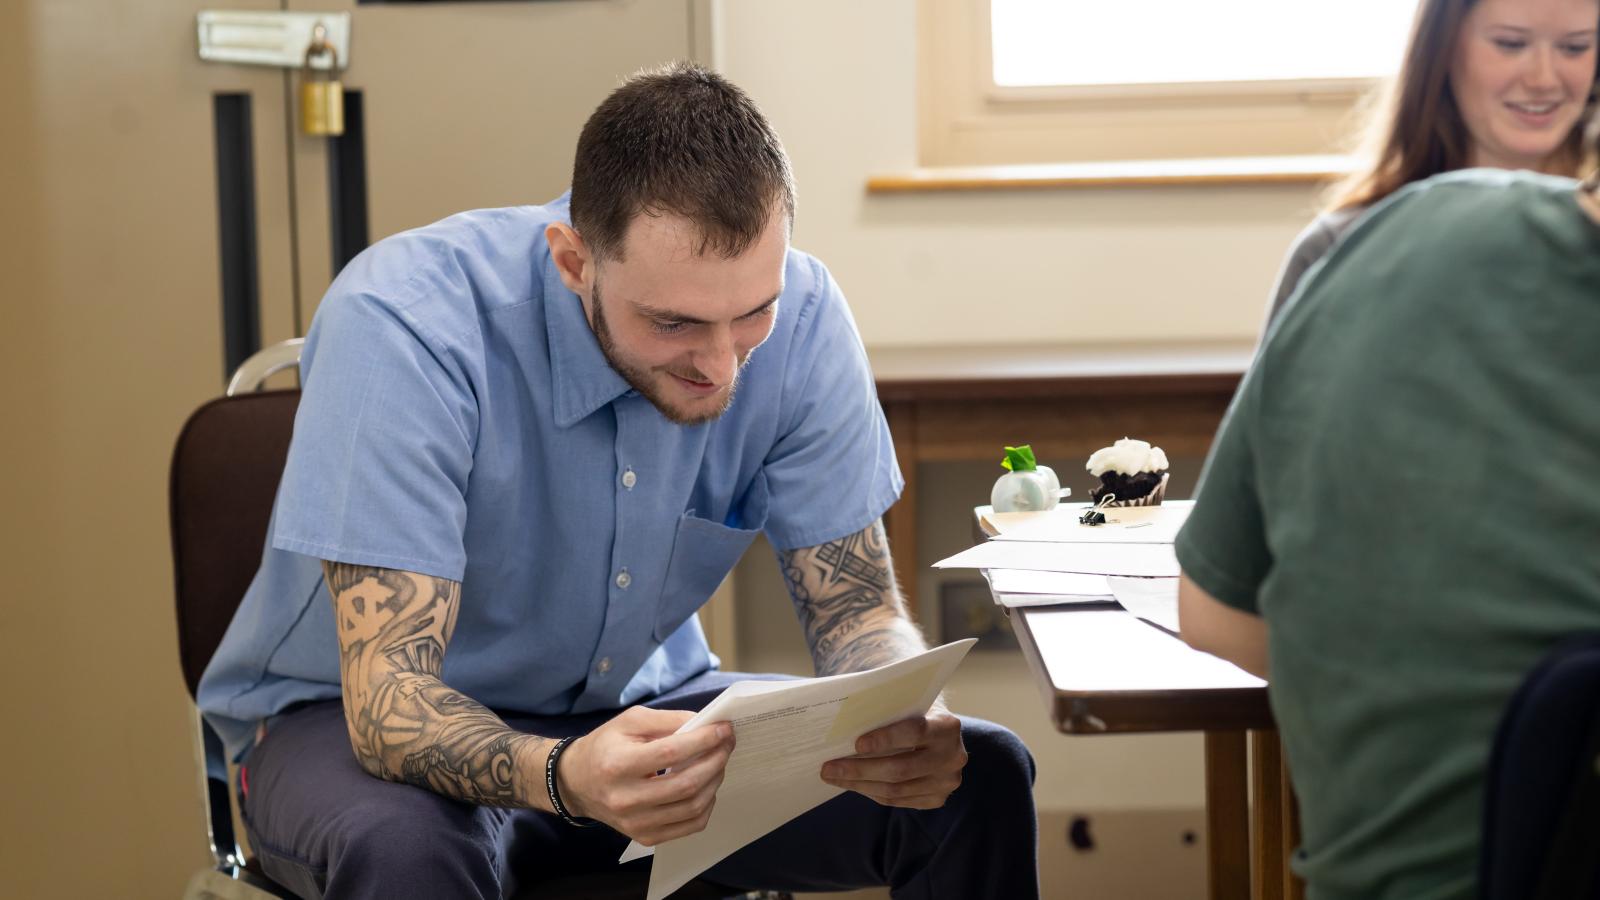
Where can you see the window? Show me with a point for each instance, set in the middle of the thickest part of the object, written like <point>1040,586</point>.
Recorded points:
<point>1042,81</point>
<point>1037,43</point>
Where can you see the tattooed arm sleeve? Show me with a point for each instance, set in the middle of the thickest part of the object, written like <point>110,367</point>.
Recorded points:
<point>405,724</point>
<point>845,595</point>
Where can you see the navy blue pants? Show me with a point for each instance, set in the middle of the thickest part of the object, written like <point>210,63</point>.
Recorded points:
<point>324,828</point>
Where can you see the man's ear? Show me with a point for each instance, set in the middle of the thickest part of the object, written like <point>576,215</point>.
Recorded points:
<point>573,261</point>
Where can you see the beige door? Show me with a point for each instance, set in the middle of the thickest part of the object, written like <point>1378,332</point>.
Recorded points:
<point>466,105</point>
<point>110,247</point>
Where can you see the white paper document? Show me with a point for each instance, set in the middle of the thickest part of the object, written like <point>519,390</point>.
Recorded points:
<point>1123,525</point>
<point>1014,601</point>
<point>784,731</point>
<point>1152,599</point>
<point>1137,560</point>
<point>1020,587</point>
<point>1026,581</point>
<point>1113,651</point>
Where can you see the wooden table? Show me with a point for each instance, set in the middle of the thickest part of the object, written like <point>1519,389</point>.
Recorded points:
<point>965,403</point>
<point>1102,671</point>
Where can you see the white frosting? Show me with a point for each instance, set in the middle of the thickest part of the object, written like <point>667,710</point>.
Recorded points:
<point>1129,457</point>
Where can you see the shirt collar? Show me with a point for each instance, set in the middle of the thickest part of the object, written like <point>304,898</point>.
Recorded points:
<point>583,380</point>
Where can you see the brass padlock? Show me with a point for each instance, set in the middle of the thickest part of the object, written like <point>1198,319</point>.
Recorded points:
<point>321,94</point>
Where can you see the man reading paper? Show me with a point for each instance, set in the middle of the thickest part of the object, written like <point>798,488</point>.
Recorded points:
<point>532,441</point>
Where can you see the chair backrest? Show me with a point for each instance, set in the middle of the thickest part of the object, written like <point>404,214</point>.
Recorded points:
<point>1541,827</point>
<point>265,363</point>
<point>225,473</point>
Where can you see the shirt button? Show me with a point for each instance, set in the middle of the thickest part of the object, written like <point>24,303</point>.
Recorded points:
<point>603,666</point>
<point>624,579</point>
<point>629,479</point>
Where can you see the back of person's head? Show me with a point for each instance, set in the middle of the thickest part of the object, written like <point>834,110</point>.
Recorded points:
<point>680,140</point>
<point>1416,128</point>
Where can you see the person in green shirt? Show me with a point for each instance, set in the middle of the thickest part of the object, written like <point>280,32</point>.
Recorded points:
<point>1401,514</point>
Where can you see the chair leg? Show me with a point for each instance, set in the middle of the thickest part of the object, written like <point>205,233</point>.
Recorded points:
<point>225,849</point>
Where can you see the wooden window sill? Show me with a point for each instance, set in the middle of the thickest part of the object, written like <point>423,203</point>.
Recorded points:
<point>1235,170</point>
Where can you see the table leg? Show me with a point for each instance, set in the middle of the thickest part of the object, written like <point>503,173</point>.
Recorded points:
<point>1266,817</point>
<point>900,522</point>
<point>1227,816</point>
<point>1293,887</point>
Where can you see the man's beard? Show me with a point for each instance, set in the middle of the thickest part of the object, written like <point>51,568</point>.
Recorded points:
<point>641,381</point>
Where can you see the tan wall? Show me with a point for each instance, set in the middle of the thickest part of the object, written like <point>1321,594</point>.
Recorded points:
<point>474,105</point>
<point>1064,267</point>
<point>838,78</point>
<point>111,336</point>
<point>110,323</point>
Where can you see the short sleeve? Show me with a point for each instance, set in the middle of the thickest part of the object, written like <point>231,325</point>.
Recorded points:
<point>1223,546</point>
<point>832,470</point>
<point>383,443</point>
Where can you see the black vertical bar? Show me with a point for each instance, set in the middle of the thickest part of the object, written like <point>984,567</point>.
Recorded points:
<point>347,184</point>
<point>236,230</point>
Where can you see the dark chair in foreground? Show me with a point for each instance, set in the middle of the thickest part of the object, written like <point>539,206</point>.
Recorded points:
<point>225,472</point>
<point>1541,835</point>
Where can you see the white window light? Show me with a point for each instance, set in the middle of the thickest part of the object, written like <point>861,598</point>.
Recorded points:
<point>1045,43</point>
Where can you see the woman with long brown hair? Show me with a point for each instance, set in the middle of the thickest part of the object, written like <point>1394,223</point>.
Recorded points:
<point>1498,83</point>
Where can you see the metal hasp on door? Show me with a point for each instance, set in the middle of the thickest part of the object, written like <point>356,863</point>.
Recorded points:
<point>316,43</point>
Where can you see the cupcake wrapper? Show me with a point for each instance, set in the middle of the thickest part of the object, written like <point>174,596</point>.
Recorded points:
<point>1151,499</point>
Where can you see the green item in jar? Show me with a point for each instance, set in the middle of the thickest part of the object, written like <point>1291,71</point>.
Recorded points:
<point>1020,459</point>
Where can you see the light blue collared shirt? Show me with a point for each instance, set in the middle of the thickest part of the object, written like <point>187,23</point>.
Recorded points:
<point>459,420</point>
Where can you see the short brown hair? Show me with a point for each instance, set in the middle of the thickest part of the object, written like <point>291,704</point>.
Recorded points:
<point>1416,129</point>
<point>679,140</point>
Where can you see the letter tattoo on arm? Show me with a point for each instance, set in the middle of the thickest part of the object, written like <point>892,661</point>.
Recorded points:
<point>845,596</point>
<point>405,723</point>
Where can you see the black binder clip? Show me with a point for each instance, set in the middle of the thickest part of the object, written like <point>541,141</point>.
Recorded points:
<point>1093,515</point>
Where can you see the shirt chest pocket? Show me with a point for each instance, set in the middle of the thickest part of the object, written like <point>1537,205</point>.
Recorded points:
<point>703,552</point>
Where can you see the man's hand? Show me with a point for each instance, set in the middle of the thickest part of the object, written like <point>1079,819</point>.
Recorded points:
<point>914,763</point>
<point>611,775</point>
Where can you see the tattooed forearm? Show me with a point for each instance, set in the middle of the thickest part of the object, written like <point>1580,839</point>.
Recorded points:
<point>845,596</point>
<point>405,724</point>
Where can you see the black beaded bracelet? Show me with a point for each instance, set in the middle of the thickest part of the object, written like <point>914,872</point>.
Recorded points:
<point>555,795</point>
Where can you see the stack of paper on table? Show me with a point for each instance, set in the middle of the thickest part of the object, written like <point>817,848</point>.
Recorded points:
<point>1130,560</point>
<point>1050,558</point>
<point>783,732</point>
<point>1026,587</point>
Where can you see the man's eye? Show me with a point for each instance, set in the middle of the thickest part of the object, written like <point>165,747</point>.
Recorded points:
<point>661,327</point>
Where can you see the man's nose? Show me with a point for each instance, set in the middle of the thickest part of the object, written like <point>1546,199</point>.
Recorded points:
<point>718,360</point>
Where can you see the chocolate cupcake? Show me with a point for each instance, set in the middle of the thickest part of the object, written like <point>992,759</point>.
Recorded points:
<point>1131,473</point>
